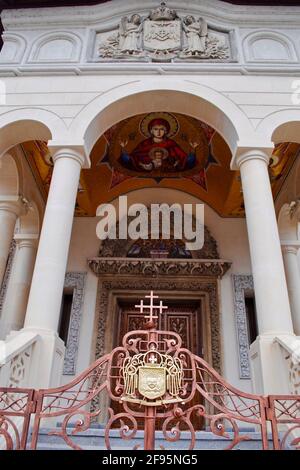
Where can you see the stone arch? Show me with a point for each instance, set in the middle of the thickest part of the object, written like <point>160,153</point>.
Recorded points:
<point>60,46</point>
<point>29,124</point>
<point>14,46</point>
<point>275,45</point>
<point>281,126</point>
<point>150,95</point>
<point>9,176</point>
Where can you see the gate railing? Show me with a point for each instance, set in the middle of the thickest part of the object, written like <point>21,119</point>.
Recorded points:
<point>154,382</point>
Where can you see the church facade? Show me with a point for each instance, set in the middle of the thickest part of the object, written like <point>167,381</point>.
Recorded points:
<point>164,104</point>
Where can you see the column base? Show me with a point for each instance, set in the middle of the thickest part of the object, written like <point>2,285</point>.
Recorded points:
<point>49,364</point>
<point>268,370</point>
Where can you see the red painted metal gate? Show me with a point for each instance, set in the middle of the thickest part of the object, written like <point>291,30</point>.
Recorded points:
<point>153,378</point>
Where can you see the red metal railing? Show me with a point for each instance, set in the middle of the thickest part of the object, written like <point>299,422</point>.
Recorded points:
<point>184,394</point>
<point>204,394</point>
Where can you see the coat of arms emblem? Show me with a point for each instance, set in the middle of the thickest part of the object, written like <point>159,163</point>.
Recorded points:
<point>164,36</point>
<point>162,30</point>
<point>152,378</point>
<point>152,382</point>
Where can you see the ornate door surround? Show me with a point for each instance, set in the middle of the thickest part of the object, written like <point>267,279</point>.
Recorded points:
<point>112,290</point>
<point>193,277</point>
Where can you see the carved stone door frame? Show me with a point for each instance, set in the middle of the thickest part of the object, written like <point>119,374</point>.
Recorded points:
<point>113,289</point>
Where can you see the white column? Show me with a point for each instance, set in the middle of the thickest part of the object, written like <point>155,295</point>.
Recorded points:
<point>43,310</point>
<point>9,213</point>
<point>45,297</point>
<point>16,298</point>
<point>271,295</point>
<point>293,282</point>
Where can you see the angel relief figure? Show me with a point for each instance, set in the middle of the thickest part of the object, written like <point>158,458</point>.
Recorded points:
<point>126,40</point>
<point>196,32</point>
<point>130,34</point>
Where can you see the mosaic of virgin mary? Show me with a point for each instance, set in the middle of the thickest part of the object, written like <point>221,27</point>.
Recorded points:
<point>158,152</point>
<point>157,145</point>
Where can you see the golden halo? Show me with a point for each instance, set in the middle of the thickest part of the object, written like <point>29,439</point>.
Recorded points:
<point>172,120</point>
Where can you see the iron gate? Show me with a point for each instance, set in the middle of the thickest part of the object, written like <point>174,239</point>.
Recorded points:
<point>155,381</point>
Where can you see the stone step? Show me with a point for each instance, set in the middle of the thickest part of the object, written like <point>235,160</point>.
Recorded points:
<point>93,439</point>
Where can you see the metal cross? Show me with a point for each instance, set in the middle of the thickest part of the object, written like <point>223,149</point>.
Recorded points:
<point>151,307</point>
<point>152,359</point>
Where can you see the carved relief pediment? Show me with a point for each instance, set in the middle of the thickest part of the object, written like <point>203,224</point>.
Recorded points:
<point>171,249</point>
<point>158,257</point>
<point>164,35</point>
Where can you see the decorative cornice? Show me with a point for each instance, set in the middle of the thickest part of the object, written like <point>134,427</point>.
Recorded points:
<point>158,267</point>
<point>86,15</point>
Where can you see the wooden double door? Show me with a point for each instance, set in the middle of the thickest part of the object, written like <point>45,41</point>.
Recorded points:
<point>181,317</point>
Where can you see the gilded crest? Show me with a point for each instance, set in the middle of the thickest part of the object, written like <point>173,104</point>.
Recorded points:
<point>152,382</point>
<point>162,35</point>
<point>152,378</point>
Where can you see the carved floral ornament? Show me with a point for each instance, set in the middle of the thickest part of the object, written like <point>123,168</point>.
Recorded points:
<point>163,36</point>
<point>117,257</point>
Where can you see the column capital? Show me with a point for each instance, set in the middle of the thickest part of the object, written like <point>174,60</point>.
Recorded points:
<point>291,248</point>
<point>244,155</point>
<point>26,241</point>
<point>73,153</point>
<point>15,205</point>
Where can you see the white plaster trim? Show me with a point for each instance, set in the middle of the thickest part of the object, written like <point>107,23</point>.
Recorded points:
<point>140,68</point>
<point>20,40</point>
<point>284,40</point>
<point>69,36</point>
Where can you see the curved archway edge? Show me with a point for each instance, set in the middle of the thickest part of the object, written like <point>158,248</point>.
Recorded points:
<point>148,95</point>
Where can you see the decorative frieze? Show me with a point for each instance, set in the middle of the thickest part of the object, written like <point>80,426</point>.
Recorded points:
<point>76,281</point>
<point>3,288</point>
<point>164,35</point>
<point>141,36</point>
<point>294,376</point>
<point>158,267</point>
<point>242,283</point>
<point>121,248</point>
